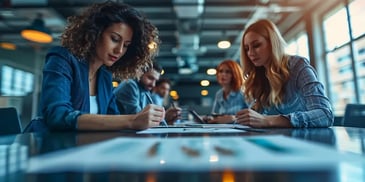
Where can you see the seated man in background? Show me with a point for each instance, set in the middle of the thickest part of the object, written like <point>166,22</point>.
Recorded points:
<point>135,94</point>
<point>161,91</point>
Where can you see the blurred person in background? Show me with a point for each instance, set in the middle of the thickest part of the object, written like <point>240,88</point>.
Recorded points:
<point>229,99</point>
<point>134,95</point>
<point>161,91</point>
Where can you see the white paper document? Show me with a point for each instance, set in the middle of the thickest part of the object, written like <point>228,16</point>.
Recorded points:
<point>195,154</point>
<point>198,125</point>
<point>200,128</point>
<point>189,130</point>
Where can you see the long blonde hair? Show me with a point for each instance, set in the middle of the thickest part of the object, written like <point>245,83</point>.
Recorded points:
<point>266,86</point>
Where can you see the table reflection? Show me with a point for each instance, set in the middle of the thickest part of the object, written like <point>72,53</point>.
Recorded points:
<point>16,151</point>
<point>13,156</point>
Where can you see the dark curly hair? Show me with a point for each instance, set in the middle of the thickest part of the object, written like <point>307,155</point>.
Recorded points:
<point>83,31</point>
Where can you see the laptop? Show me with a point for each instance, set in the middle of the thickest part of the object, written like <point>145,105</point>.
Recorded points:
<point>197,117</point>
<point>9,121</point>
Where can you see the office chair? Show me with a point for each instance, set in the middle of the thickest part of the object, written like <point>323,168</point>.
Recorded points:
<point>354,115</point>
<point>9,121</point>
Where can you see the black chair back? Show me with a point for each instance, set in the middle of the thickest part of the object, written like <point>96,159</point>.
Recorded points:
<point>354,115</point>
<point>9,121</point>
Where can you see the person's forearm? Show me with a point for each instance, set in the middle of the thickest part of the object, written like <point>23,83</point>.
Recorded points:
<point>277,121</point>
<point>104,122</point>
<point>225,119</point>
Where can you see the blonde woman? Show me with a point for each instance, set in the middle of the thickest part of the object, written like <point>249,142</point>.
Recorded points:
<point>284,88</point>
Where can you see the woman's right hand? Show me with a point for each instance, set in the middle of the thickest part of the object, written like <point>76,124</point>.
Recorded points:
<point>150,116</point>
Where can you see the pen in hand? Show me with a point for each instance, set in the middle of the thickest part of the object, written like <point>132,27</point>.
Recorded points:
<point>149,98</point>
<point>173,105</point>
<point>151,102</point>
<point>251,104</point>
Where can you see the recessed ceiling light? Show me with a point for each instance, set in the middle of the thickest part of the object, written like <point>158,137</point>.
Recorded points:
<point>224,44</point>
<point>211,71</point>
<point>204,83</point>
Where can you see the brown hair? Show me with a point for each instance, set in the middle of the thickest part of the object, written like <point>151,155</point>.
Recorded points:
<point>83,31</point>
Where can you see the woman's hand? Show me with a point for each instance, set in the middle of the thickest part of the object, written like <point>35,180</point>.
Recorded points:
<point>150,116</point>
<point>251,118</point>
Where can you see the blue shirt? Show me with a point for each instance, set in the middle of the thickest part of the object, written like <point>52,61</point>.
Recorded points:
<point>305,103</point>
<point>157,99</point>
<point>230,106</point>
<point>131,97</point>
<point>65,90</point>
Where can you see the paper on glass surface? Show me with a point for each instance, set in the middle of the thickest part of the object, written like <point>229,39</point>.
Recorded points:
<point>194,153</point>
<point>198,125</point>
<point>189,130</point>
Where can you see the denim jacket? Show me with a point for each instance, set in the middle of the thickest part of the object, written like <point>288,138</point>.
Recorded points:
<point>235,102</point>
<point>305,103</point>
<point>132,97</point>
<point>65,90</point>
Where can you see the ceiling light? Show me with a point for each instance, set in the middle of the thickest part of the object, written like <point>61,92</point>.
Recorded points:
<point>224,41</point>
<point>37,32</point>
<point>173,93</point>
<point>175,98</point>
<point>204,92</point>
<point>211,71</point>
<point>224,44</point>
<point>204,83</point>
<point>7,45</point>
<point>185,71</point>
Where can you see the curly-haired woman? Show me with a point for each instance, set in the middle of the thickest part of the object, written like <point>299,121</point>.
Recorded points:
<point>285,88</point>
<point>108,39</point>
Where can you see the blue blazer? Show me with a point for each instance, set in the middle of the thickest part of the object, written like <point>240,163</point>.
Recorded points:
<point>65,90</point>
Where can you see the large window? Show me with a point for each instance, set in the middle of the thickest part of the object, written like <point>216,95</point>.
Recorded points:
<point>357,15</point>
<point>299,46</point>
<point>342,61</point>
<point>336,30</point>
<point>15,82</point>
